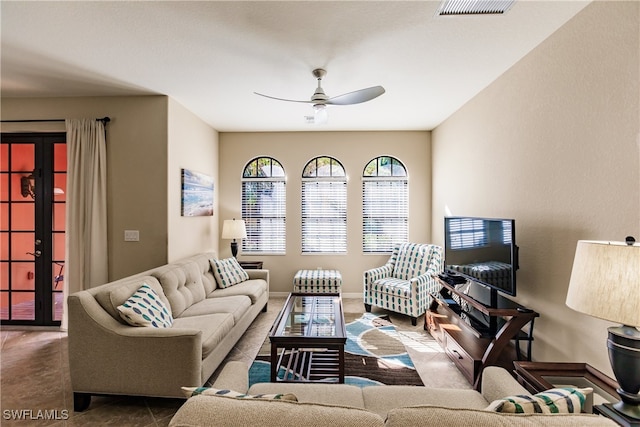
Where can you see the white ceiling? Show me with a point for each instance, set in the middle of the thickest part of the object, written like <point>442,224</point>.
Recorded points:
<point>211,56</point>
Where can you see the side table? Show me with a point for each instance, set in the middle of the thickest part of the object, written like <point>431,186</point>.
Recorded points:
<point>540,376</point>
<point>251,265</point>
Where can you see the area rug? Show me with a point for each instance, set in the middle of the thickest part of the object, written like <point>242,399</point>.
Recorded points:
<point>374,354</point>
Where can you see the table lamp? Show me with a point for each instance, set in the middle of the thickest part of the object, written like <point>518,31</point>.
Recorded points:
<point>234,229</point>
<point>605,283</point>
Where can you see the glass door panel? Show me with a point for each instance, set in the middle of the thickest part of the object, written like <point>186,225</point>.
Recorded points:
<point>32,227</point>
<point>22,157</point>
<point>22,246</point>
<point>59,212</point>
<point>4,188</point>
<point>4,276</point>
<point>22,216</point>
<point>23,274</point>
<point>58,225</point>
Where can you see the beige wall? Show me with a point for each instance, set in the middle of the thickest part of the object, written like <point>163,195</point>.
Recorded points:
<point>149,139</point>
<point>553,143</point>
<point>136,164</point>
<point>354,150</point>
<point>193,145</point>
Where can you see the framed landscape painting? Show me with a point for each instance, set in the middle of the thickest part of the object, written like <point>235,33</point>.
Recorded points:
<point>197,194</point>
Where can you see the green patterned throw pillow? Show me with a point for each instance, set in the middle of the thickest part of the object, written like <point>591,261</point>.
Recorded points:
<point>228,272</point>
<point>208,391</point>
<point>552,401</point>
<point>145,308</point>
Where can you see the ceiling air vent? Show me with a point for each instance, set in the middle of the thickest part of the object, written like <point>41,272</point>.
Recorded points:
<point>474,7</point>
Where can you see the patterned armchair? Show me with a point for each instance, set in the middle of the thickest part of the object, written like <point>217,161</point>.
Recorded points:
<point>403,284</point>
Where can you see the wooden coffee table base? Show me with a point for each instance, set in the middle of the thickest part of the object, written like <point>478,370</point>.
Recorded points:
<point>307,365</point>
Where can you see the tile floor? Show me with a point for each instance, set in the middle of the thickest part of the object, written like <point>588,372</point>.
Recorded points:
<point>34,375</point>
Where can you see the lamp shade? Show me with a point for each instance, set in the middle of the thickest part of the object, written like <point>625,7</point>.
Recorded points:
<point>234,229</point>
<point>605,281</point>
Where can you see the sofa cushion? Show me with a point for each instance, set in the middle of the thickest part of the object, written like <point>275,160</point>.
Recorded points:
<point>329,394</point>
<point>214,328</point>
<point>182,284</point>
<point>145,308</point>
<point>228,272</point>
<point>209,391</point>
<point>253,288</point>
<point>554,401</point>
<point>203,261</point>
<point>392,286</point>
<point>212,411</point>
<point>413,260</point>
<point>384,398</point>
<point>236,305</point>
<point>112,295</point>
<point>427,415</point>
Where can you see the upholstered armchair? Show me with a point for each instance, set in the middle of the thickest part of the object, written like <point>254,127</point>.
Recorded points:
<point>403,284</point>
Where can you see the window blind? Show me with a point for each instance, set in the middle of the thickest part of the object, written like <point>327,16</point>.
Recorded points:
<point>264,213</point>
<point>467,233</point>
<point>385,214</point>
<point>324,216</point>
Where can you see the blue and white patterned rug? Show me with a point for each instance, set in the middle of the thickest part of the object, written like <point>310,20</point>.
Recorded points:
<point>374,354</point>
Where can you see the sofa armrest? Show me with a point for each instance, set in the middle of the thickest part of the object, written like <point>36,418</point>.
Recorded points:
<point>258,274</point>
<point>423,285</point>
<point>425,279</point>
<point>377,273</point>
<point>234,376</point>
<point>497,383</point>
<point>106,356</point>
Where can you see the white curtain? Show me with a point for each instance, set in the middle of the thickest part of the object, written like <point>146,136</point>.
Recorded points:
<point>86,259</point>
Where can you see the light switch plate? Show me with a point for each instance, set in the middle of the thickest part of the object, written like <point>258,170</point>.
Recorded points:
<point>131,235</point>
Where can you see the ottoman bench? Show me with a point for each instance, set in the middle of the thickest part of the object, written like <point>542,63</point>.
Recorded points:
<point>317,281</point>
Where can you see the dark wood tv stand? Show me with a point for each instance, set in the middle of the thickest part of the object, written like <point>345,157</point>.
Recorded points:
<point>475,335</point>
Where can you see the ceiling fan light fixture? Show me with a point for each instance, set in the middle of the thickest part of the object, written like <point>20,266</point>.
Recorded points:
<point>320,100</point>
<point>320,116</point>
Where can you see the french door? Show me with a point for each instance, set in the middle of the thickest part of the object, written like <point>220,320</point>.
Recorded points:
<point>33,177</point>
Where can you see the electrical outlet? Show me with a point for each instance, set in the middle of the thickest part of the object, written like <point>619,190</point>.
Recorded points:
<point>131,235</point>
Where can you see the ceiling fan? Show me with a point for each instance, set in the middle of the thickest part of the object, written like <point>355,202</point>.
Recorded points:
<point>320,100</point>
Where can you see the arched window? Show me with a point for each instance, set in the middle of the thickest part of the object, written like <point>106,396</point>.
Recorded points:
<point>264,206</point>
<point>385,205</point>
<point>324,206</point>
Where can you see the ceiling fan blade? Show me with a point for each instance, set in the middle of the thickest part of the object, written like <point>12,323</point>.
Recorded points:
<point>356,97</point>
<point>282,99</point>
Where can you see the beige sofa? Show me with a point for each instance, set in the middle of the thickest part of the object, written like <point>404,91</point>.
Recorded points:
<point>338,405</point>
<point>108,356</point>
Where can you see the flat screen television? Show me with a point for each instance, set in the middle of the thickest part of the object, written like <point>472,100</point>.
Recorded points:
<point>483,250</point>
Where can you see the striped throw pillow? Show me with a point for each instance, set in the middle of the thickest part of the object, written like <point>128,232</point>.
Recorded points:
<point>208,391</point>
<point>228,272</point>
<point>552,401</point>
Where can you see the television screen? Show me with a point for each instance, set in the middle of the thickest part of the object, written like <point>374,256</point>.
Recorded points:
<point>483,250</point>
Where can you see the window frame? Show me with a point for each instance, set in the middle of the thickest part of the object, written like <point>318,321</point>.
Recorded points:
<point>254,173</point>
<point>333,182</point>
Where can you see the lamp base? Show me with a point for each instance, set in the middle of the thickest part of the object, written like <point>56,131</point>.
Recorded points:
<point>624,353</point>
<point>234,248</point>
<point>608,411</point>
<point>628,409</point>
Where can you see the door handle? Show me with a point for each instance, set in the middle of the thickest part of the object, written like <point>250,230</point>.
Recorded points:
<point>35,254</point>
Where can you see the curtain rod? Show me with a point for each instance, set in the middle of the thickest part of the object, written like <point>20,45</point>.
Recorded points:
<point>104,120</point>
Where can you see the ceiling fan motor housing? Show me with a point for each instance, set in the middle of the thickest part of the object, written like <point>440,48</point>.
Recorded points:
<point>319,96</point>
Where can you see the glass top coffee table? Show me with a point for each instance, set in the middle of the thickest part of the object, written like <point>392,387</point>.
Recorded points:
<point>308,338</point>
